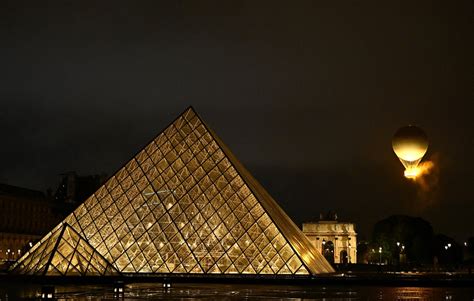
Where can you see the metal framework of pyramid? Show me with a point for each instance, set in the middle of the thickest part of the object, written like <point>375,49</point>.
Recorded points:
<point>183,204</point>
<point>64,252</point>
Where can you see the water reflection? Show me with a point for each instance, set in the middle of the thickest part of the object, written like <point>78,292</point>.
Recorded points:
<point>416,293</point>
<point>155,291</point>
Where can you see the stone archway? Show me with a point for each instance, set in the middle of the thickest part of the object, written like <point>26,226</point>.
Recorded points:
<point>328,251</point>
<point>342,234</point>
<point>343,258</point>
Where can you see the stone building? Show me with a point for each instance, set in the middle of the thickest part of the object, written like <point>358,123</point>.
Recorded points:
<point>336,240</point>
<point>25,216</point>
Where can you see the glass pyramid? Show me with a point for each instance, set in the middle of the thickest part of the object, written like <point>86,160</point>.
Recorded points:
<point>183,204</point>
<point>63,252</point>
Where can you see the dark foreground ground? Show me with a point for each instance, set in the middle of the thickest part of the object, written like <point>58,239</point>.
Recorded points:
<point>361,286</point>
<point>202,291</point>
<point>447,279</point>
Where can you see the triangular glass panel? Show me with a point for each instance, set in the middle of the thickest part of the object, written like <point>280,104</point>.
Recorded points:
<point>65,253</point>
<point>231,270</point>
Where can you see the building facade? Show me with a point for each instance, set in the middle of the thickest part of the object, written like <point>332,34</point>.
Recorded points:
<point>337,241</point>
<point>25,216</point>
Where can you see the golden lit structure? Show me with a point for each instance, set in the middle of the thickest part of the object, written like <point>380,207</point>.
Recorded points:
<point>64,252</point>
<point>410,144</point>
<point>184,204</point>
<point>336,240</point>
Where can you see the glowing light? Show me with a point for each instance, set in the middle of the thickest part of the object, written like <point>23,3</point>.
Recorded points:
<point>203,226</point>
<point>412,172</point>
<point>410,144</point>
<point>420,170</point>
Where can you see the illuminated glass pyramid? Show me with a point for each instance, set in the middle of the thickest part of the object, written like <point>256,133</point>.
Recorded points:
<point>64,252</point>
<point>183,204</point>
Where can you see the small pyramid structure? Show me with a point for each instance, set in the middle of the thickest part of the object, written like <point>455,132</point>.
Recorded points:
<point>183,204</point>
<point>63,252</point>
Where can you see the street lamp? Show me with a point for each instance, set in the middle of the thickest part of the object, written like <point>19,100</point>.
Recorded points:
<point>380,255</point>
<point>399,252</point>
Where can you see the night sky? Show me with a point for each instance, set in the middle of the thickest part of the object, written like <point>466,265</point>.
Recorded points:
<point>307,96</point>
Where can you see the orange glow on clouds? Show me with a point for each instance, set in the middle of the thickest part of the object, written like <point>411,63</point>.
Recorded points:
<point>421,169</point>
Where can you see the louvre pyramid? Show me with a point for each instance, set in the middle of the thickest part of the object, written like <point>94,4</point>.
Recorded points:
<point>63,252</point>
<point>185,204</point>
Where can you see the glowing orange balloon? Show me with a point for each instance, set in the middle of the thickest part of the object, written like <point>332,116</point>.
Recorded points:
<point>410,144</point>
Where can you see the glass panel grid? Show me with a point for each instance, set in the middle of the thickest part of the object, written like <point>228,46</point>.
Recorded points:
<point>179,206</point>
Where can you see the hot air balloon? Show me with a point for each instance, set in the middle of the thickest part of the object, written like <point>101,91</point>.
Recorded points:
<point>410,144</point>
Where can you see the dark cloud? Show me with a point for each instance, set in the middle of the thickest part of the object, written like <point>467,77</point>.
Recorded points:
<point>308,96</point>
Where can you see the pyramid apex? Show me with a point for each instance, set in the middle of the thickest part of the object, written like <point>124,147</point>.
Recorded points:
<point>189,113</point>
<point>190,108</point>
